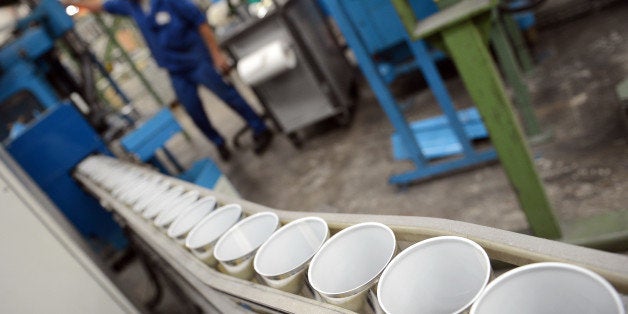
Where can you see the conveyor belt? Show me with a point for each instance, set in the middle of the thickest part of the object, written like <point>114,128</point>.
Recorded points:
<point>501,245</point>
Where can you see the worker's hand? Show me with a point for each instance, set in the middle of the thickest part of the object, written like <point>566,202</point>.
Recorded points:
<point>221,62</point>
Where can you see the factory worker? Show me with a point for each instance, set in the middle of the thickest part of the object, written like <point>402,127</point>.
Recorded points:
<point>182,42</point>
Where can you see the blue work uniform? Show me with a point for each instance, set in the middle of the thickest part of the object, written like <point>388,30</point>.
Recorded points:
<point>170,29</point>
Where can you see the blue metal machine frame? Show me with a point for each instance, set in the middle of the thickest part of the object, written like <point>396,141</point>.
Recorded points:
<point>362,45</point>
<point>19,73</point>
<point>48,151</point>
<point>57,137</point>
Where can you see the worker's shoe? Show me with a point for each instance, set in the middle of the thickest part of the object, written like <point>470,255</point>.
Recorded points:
<point>224,152</point>
<point>261,141</point>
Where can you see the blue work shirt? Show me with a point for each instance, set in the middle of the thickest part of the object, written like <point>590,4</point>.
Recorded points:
<point>170,30</point>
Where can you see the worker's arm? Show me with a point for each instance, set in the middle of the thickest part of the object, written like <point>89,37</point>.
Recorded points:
<point>220,60</point>
<point>91,5</point>
<point>190,12</point>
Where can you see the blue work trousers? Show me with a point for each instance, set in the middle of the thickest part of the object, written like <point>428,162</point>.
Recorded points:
<point>185,85</point>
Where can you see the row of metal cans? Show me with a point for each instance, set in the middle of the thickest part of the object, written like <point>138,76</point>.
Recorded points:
<point>446,274</point>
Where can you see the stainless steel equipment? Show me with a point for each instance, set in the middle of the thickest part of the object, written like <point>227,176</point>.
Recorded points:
<point>321,84</point>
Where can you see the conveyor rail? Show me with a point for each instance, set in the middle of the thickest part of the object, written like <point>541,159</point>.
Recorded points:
<point>509,247</point>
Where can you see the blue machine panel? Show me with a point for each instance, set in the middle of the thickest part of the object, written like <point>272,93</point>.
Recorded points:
<point>48,151</point>
<point>19,71</point>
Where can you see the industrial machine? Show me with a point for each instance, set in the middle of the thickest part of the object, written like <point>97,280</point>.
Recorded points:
<point>46,132</point>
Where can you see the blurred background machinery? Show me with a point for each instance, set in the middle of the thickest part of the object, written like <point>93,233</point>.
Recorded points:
<point>52,118</point>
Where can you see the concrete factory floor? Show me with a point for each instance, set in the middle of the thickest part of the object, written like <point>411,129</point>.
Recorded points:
<point>345,169</point>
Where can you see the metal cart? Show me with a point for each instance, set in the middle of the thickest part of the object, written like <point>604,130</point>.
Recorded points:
<point>319,87</point>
